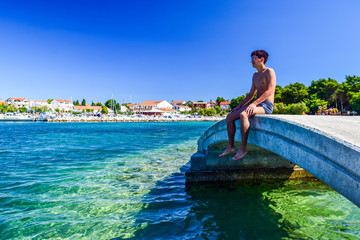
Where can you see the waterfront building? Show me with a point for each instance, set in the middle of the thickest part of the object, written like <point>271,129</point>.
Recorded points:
<point>38,103</point>
<point>212,104</point>
<point>225,106</point>
<point>94,109</point>
<point>123,108</point>
<point>155,107</point>
<point>182,108</point>
<point>65,105</point>
<point>201,105</point>
<point>174,103</point>
<point>168,112</point>
<point>133,107</point>
<point>18,102</point>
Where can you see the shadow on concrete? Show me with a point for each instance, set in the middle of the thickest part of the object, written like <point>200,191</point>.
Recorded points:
<point>259,165</point>
<point>256,157</point>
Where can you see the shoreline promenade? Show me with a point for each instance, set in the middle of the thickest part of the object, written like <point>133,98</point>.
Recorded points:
<point>131,119</point>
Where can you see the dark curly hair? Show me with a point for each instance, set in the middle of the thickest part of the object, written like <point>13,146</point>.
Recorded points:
<point>260,54</point>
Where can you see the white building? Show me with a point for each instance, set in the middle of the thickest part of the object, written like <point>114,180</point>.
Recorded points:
<point>133,107</point>
<point>155,105</point>
<point>65,105</point>
<point>225,105</point>
<point>212,104</point>
<point>182,108</point>
<point>168,112</point>
<point>174,103</point>
<point>93,109</point>
<point>18,102</point>
<point>38,103</point>
<point>156,108</point>
<point>123,108</point>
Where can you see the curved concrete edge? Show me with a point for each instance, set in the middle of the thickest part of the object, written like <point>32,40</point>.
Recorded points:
<point>346,155</point>
<point>332,160</point>
<point>327,171</point>
<point>337,150</point>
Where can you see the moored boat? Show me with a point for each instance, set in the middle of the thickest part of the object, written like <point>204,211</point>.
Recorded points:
<point>14,117</point>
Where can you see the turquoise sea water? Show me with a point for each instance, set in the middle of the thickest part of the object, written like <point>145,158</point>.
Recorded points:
<point>126,181</point>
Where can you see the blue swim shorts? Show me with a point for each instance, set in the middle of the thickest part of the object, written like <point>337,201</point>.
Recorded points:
<point>267,106</point>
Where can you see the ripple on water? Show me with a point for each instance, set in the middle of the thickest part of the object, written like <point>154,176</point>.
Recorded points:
<point>126,180</point>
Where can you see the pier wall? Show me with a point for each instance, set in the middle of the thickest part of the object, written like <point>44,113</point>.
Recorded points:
<point>280,148</point>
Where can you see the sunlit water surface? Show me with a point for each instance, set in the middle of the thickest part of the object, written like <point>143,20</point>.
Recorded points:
<point>127,180</point>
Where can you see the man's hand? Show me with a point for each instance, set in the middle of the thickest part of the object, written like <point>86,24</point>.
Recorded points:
<point>250,109</point>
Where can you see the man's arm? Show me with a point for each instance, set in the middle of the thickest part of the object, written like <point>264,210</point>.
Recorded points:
<point>247,98</point>
<point>271,83</point>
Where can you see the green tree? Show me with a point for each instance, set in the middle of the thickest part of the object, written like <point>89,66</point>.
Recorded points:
<point>92,103</point>
<point>111,103</point>
<point>298,108</point>
<point>294,93</point>
<point>325,89</point>
<point>76,103</point>
<point>117,108</point>
<point>278,94</point>
<point>99,104</point>
<point>343,93</point>
<point>201,112</point>
<point>49,101</point>
<point>210,112</point>
<point>354,83</point>
<point>355,102</point>
<point>189,105</point>
<point>279,108</point>
<point>104,110</point>
<point>236,101</point>
<point>57,110</point>
<point>83,102</point>
<point>41,109</point>
<point>217,109</point>
<point>219,100</point>
<point>314,103</point>
<point>4,108</point>
<point>23,109</point>
<point>11,108</point>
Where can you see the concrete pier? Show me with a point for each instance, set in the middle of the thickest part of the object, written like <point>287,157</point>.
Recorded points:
<point>286,147</point>
<point>259,165</point>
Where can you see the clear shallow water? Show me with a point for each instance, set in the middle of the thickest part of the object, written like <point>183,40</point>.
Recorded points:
<point>126,180</point>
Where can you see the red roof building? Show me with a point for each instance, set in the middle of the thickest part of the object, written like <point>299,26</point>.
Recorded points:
<point>225,105</point>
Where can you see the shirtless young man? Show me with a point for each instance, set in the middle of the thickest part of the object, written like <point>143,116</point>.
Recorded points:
<point>263,81</point>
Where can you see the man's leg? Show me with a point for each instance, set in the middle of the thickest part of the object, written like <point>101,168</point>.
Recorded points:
<point>230,123</point>
<point>245,127</point>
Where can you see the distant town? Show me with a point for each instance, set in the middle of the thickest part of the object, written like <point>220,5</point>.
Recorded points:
<point>322,97</point>
<point>159,108</point>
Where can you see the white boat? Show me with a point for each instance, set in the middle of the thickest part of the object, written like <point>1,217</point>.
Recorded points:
<point>14,117</point>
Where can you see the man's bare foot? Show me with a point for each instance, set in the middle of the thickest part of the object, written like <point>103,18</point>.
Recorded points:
<point>227,151</point>
<point>239,155</point>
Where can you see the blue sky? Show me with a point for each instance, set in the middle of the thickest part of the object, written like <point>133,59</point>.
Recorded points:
<point>170,50</point>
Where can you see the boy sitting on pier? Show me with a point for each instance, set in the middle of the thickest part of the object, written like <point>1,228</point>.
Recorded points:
<point>263,82</point>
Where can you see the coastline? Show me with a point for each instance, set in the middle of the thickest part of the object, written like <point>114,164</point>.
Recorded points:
<point>133,119</point>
